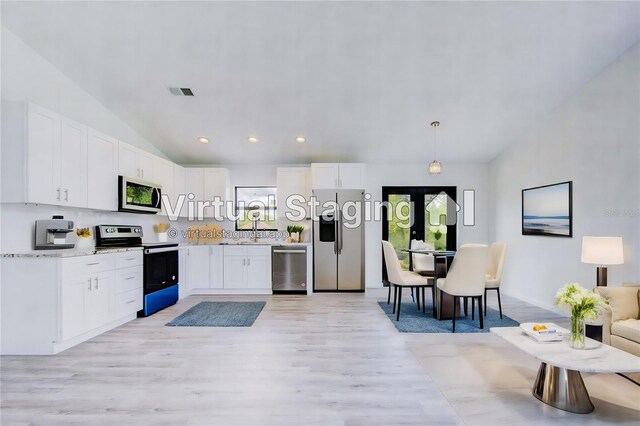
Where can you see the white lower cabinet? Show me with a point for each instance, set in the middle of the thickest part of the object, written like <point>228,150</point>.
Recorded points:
<point>70,300</point>
<point>247,267</point>
<point>225,269</point>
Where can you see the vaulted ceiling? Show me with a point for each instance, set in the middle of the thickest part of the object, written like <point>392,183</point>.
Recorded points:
<point>360,80</point>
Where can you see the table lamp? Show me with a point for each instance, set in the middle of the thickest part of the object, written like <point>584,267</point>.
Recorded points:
<point>602,251</point>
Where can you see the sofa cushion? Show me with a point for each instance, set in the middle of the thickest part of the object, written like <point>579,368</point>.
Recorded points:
<point>622,300</point>
<point>629,329</point>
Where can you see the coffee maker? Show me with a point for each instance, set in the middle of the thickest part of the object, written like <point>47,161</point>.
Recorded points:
<point>52,234</point>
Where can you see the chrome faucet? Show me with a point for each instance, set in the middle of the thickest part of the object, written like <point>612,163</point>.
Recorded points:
<point>254,227</point>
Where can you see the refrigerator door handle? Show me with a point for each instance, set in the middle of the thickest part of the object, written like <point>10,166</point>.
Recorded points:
<point>335,236</point>
<point>339,238</point>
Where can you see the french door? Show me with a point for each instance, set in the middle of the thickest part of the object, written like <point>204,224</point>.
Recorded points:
<point>426,213</point>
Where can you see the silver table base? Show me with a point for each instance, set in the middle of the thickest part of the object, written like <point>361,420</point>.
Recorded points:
<point>562,388</point>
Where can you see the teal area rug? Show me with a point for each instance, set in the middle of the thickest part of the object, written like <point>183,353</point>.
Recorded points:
<point>413,320</point>
<point>219,314</point>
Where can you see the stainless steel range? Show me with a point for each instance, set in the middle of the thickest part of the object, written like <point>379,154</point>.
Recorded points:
<point>160,264</point>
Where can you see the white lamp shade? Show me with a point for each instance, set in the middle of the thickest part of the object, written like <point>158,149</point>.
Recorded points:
<point>602,250</point>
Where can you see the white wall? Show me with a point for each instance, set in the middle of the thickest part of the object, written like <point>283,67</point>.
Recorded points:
<point>27,76</point>
<point>463,176</point>
<point>592,139</point>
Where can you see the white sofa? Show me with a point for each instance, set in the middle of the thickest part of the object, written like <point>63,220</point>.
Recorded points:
<point>621,319</point>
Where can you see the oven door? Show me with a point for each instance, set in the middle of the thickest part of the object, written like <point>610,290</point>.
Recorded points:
<point>160,268</point>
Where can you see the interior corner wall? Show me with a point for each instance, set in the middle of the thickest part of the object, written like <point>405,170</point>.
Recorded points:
<point>592,139</point>
<point>27,76</point>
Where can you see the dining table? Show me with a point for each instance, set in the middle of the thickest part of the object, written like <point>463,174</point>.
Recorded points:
<point>443,305</point>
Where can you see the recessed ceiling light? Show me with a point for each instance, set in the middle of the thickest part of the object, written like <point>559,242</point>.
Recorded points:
<point>300,139</point>
<point>203,140</point>
<point>252,139</point>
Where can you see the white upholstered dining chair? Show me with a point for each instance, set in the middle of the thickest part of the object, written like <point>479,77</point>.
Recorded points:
<point>423,264</point>
<point>493,276</point>
<point>399,278</point>
<point>466,277</point>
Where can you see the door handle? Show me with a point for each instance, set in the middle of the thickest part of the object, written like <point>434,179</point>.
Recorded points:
<point>130,301</point>
<point>142,173</point>
<point>89,288</point>
<point>340,231</point>
<point>138,173</point>
<point>249,262</point>
<point>58,196</point>
<point>96,285</point>
<point>66,194</point>
<point>335,236</point>
<point>129,278</point>
<point>92,264</point>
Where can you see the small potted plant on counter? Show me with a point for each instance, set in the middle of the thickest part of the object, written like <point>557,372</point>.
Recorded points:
<point>295,233</point>
<point>161,229</point>
<point>83,238</point>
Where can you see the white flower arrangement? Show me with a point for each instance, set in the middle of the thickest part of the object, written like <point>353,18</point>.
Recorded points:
<point>584,303</point>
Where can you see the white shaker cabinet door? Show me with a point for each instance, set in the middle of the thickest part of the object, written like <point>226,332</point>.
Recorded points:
<point>98,299</point>
<point>259,272</point>
<point>324,175</point>
<point>102,166</point>
<point>146,164</point>
<point>235,272</point>
<point>43,156</point>
<point>216,267</point>
<point>73,163</point>
<point>128,161</point>
<point>74,290</point>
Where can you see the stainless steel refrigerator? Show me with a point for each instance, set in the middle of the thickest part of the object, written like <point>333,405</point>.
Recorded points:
<point>338,244</point>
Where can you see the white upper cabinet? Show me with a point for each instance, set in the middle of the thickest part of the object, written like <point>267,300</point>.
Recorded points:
<point>134,162</point>
<point>43,155</point>
<point>179,188</point>
<point>206,184</point>
<point>163,175</point>
<point>293,181</point>
<point>73,163</point>
<point>338,176</point>
<point>102,162</point>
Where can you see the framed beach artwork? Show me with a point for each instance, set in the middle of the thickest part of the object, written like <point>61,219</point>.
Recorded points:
<point>547,210</point>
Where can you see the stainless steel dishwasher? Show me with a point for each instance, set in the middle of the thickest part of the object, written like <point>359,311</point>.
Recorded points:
<point>289,269</point>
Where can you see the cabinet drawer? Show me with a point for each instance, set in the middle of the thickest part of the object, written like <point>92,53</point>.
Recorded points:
<point>129,302</point>
<point>129,279</point>
<point>88,264</point>
<point>259,251</point>
<point>235,251</point>
<point>126,259</point>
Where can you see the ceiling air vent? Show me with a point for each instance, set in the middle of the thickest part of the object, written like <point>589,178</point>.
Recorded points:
<point>181,91</point>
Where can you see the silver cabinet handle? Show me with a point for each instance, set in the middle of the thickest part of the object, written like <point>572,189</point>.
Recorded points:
<point>66,194</point>
<point>89,288</point>
<point>131,258</point>
<point>290,251</point>
<point>129,278</point>
<point>138,173</point>
<point>96,286</point>
<point>130,301</point>
<point>58,196</point>
<point>92,264</point>
<point>244,262</point>
<point>249,262</point>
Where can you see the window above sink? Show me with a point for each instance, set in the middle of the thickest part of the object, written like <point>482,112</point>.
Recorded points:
<point>256,203</point>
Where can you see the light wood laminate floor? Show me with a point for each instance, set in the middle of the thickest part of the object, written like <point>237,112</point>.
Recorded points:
<point>325,359</point>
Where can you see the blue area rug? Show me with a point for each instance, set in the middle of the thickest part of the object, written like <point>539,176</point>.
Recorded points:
<point>414,321</point>
<point>219,314</point>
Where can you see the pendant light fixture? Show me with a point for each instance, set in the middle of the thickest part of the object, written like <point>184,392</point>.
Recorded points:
<point>435,167</point>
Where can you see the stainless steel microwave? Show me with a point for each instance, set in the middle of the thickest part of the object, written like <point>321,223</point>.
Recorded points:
<point>139,196</point>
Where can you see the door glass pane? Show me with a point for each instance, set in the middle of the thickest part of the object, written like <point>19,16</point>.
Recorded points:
<point>398,223</point>
<point>435,221</point>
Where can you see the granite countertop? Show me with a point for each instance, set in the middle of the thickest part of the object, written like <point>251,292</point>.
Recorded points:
<point>242,243</point>
<point>68,252</point>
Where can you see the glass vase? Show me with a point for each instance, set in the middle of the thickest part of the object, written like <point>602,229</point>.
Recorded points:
<point>577,332</point>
